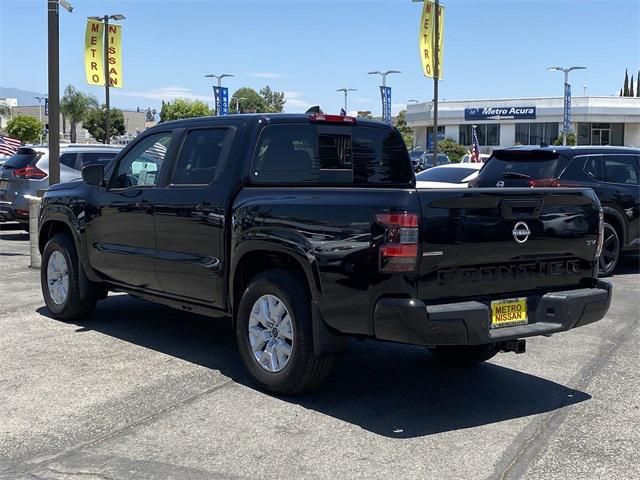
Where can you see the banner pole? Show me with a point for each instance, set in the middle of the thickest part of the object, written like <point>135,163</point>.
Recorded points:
<point>436,74</point>
<point>53,50</point>
<point>107,126</point>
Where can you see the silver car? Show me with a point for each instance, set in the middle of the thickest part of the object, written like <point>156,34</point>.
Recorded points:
<point>27,171</point>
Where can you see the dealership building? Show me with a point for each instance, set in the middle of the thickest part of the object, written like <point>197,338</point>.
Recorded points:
<point>528,121</point>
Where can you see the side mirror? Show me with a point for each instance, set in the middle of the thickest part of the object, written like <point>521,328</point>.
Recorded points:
<point>93,174</point>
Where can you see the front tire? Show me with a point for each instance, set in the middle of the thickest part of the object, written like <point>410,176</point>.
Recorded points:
<point>610,251</point>
<point>464,355</point>
<point>60,280</point>
<point>274,335</point>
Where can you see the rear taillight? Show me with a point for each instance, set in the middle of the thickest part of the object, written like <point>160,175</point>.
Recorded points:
<point>543,182</point>
<point>600,233</point>
<point>553,182</point>
<point>30,173</point>
<point>399,250</point>
<point>321,117</point>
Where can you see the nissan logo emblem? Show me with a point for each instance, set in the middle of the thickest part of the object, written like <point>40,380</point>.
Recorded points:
<point>521,232</point>
<point>500,184</point>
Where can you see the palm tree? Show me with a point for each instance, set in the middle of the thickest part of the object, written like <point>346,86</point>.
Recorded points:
<point>75,105</point>
<point>5,112</point>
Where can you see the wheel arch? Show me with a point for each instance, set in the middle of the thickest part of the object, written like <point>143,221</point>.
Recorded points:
<point>616,219</point>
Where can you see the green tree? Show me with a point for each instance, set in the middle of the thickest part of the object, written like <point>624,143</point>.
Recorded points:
<point>625,88</point>
<point>25,128</point>
<point>94,123</point>
<point>571,139</point>
<point>405,130</point>
<point>638,84</point>
<point>250,101</point>
<point>183,108</point>
<point>274,101</point>
<point>5,111</point>
<point>75,105</point>
<point>453,150</point>
<point>632,89</point>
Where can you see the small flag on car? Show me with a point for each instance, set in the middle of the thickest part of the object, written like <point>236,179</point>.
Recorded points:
<point>475,147</point>
<point>342,112</point>
<point>9,146</point>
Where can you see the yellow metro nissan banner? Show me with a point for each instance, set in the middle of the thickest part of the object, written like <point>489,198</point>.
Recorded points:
<point>427,34</point>
<point>94,54</point>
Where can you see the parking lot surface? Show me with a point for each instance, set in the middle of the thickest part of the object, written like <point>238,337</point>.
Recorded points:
<point>142,391</point>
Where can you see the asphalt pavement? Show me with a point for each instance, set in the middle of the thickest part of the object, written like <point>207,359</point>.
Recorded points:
<point>140,391</point>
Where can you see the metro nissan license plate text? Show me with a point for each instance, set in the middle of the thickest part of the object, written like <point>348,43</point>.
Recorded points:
<point>509,312</point>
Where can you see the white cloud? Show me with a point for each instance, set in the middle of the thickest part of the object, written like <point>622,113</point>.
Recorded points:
<point>295,102</point>
<point>164,93</point>
<point>266,75</point>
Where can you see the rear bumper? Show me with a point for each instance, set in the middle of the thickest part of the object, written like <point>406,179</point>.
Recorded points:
<point>7,213</point>
<point>467,323</point>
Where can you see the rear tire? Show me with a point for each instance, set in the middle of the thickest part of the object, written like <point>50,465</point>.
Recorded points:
<point>464,355</point>
<point>60,280</point>
<point>273,300</point>
<point>610,251</point>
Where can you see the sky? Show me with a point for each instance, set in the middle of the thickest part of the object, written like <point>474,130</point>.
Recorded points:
<point>308,49</point>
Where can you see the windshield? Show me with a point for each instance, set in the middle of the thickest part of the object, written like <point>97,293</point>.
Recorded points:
<point>447,175</point>
<point>23,158</point>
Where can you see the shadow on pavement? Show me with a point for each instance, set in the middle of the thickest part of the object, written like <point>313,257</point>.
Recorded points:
<point>388,389</point>
<point>628,264</point>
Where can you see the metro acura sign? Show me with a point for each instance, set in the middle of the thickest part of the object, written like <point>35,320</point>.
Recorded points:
<point>488,113</point>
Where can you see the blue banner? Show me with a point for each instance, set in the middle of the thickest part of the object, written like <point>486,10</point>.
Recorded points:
<point>385,94</point>
<point>489,113</point>
<point>566,120</point>
<point>221,95</point>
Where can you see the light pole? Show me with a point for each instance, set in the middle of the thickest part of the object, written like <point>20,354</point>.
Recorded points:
<point>346,92</point>
<point>53,54</point>
<point>384,83</point>
<point>219,78</point>
<point>566,106</point>
<point>584,90</point>
<point>40,99</point>
<point>107,78</point>
<point>238,103</point>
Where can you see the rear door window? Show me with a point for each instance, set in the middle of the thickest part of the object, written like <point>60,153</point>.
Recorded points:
<point>69,160</point>
<point>303,153</point>
<point>593,167</point>
<point>200,155</point>
<point>621,169</point>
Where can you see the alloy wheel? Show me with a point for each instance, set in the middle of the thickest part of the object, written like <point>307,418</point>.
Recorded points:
<point>610,250</point>
<point>58,277</point>
<point>270,331</point>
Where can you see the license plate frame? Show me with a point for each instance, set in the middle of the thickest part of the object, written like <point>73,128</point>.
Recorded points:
<point>509,312</point>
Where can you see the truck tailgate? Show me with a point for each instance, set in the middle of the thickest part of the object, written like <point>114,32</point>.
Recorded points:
<point>493,242</point>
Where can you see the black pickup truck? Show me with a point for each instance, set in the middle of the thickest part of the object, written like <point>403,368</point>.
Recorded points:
<point>308,230</point>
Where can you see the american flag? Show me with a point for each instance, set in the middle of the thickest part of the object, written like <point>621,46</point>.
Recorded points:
<point>475,147</point>
<point>8,145</point>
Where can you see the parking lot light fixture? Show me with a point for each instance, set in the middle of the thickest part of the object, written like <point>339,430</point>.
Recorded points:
<point>566,71</point>
<point>346,92</point>
<point>219,79</point>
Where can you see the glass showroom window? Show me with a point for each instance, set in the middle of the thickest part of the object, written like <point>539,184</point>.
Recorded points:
<point>488,134</point>
<point>536,133</point>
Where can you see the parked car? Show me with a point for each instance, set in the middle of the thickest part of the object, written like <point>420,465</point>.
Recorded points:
<point>454,175</point>
<point>427,161</point>
<point>466,158</point>
<point>27,171</point>
<point>307,230</point>
<point>612,172</point>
